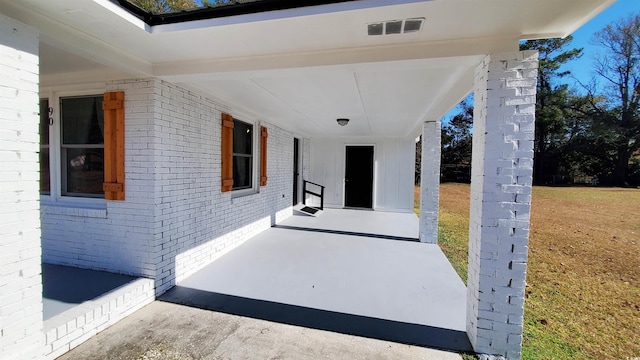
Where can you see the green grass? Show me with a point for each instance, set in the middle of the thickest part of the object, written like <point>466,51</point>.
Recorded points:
<point>452,238</point>
<point>583,283</point>
<point>539,343</point>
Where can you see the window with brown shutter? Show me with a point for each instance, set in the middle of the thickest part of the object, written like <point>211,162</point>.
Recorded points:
<point>263,155</point>
<point>227,152</point>
<point>113,107</point>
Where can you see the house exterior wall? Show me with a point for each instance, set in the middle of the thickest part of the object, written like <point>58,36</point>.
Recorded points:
<point>394,168</point>
<point>501,178</point>
<point>197,222</point>
<point>174,219</point>
<point>118,237</point>
<point>21,324</point>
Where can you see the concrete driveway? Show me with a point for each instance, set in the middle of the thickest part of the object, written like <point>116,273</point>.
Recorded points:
<point>164,330</point>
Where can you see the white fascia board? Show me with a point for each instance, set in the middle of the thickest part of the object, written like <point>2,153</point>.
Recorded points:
<point>570,30</point>
<point>124,14</point>
<point>80,77</point>
<point>67,38</point>
<point>587,18</point>
<point>368,54</point>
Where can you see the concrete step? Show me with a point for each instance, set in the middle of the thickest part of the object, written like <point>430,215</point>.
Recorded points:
<point>78,322</point>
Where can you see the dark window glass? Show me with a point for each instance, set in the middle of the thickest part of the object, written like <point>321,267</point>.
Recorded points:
<point>45,172</point>
<point>242,155</point>
<point>44,122</point>
<point>242,137</point>
<point>83,120</point>
<point>241,172</point>
<point>82,148</point>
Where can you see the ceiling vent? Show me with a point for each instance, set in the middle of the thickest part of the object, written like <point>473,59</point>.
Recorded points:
<point>395,27</point>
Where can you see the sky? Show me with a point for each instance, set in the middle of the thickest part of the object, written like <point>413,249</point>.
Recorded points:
<point>582,68</point>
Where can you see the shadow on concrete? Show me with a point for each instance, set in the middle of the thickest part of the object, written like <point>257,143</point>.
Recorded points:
<point>63,287</point>
<point>406,333</point>
<point>350,233</point>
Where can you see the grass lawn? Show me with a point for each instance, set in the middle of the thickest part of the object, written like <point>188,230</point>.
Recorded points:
<point>583,278</point>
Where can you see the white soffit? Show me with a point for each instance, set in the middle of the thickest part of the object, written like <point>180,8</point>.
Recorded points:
<point>389,99</point>
<point>305,70</point>
<point>309,30</point>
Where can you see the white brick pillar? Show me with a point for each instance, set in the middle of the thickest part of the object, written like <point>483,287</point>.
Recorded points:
<point>501,177</point>
<point>21,335</point>
<point>430,182</point>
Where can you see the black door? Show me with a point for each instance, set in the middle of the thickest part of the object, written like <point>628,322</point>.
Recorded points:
<point>359,177</point>
<point>296,146</point>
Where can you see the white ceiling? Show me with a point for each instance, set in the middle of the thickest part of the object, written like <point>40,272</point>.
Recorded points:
<point>303,68</point>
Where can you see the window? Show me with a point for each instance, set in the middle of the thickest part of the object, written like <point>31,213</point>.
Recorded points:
<point>239,162</point>
<point>82,146</point>
<point>242,155</point>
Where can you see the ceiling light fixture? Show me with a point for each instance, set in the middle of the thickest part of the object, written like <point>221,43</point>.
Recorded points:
<point>342,121</point>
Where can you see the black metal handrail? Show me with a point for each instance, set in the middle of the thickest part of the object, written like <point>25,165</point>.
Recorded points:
<point>305,192</point>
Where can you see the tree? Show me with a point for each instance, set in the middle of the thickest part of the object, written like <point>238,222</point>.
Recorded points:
<point>617,119</point>
<point>165,6</point>
<point>457,143</point>
<point>582,153</point>
<point>552,105</point>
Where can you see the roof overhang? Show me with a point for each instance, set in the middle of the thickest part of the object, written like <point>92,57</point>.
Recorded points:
<point>304,67</point>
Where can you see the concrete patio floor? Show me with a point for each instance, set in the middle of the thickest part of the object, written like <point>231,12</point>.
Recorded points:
<point>165,331</point>
<point>348,271</point>
<point>347,284</point>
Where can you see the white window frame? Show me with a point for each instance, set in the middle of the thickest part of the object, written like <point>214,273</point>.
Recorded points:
<point>55,197</point>
<point>255,154</point>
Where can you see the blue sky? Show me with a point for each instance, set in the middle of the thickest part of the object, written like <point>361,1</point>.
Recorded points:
<point>582,68</point>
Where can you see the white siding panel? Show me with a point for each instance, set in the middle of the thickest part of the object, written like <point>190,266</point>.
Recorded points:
<point>393,174</point>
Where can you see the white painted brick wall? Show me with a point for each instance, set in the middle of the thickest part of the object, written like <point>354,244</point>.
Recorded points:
<point>120,237</point>
<point>21,335</point>
<point>430,182</point>
<point>75,326</point>
<point>196,222</point>
<point>174,220</point>
<point>502,164</point>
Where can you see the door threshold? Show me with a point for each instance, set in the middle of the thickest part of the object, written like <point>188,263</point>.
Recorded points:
<point>357,208</point>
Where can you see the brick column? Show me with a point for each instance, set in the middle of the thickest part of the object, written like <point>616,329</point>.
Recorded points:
<point>430,182</point>
<point>21,335</point>
<point>502,163</point>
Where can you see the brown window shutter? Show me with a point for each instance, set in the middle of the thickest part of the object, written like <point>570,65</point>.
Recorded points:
<point>263,156</point>
<point>227,152</point>
<point>113,107</point>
